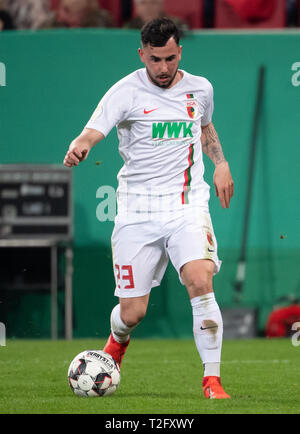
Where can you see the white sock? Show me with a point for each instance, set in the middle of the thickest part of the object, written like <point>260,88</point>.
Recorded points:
<point>120,331</point>
<point>211,369</point>
<point>208,332</point>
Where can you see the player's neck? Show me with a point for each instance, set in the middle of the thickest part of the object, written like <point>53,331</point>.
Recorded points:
<point>177,78</point>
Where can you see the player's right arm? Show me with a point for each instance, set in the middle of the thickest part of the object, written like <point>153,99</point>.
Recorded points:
<point>111,110</point>
<point>81,146</point>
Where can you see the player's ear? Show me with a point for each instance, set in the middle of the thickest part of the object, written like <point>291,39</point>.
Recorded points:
<point>141,54</point>
<point>180,51</point>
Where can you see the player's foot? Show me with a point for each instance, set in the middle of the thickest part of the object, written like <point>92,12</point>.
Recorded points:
<point>212,388</point>
<point>115,349</point>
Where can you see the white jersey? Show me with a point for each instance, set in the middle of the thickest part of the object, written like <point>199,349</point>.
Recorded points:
<point>159,134</point>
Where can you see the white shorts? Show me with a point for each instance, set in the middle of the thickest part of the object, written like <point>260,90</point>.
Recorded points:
<point>142,249</point>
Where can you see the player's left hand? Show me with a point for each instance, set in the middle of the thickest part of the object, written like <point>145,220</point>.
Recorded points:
<point>223,183</point>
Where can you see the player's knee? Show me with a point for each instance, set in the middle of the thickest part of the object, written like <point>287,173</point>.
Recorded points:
<point>132,317</point>
<point>198,278</point>
<point>200,285</point>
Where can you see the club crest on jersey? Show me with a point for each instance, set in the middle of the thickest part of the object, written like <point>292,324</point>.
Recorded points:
<point>192,106</point>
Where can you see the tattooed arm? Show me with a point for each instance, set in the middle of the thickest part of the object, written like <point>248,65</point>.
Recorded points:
<point>223,182</point>
<point>211,145</point>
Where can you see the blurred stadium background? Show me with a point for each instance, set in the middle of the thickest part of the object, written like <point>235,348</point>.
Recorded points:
<point>56,266</point>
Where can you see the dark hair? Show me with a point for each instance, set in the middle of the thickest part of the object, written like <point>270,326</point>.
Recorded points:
<point>158,31</point>
<point>7,20</point>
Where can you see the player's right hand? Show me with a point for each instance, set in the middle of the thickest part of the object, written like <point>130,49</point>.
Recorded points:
<point>81,146</point>
<point>74,156</point>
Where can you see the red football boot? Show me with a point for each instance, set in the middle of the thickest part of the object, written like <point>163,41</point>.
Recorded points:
<point>212,388</point>
<point>115,349</point>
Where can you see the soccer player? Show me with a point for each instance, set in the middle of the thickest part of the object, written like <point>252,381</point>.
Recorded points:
<point>164,122</point>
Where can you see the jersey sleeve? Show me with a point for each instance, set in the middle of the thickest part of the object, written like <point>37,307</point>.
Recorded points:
<point>209,108</point>
<point>112,109</point>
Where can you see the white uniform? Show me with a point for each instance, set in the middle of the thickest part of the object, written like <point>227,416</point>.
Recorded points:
<point>162,196</point>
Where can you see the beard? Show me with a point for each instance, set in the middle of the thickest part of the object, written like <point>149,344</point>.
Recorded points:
<point>157,83</point>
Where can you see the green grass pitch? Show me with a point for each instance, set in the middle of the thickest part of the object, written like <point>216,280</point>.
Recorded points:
<point>157,377</point>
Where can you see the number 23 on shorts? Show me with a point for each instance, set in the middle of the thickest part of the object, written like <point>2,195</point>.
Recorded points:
<point>124,273</point>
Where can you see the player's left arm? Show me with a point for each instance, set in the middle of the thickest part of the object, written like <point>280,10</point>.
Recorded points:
<point>223,181</point>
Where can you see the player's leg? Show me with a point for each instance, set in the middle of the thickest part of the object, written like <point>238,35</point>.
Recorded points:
<point>139,265</point>
<point>124,318</point>
<point>197,276</point>
<point>192,248</point>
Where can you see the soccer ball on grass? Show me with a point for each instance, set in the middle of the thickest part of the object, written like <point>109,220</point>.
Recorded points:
<point>93,373</point>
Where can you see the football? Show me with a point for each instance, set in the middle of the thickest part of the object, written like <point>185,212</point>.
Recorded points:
<point>93,373</point>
